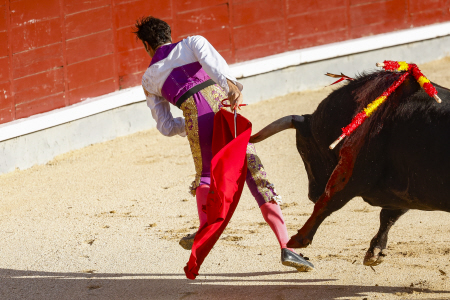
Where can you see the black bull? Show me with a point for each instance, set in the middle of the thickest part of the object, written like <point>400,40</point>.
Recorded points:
<point>400,154</point>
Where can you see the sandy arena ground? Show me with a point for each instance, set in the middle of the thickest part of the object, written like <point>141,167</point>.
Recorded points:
<point>104,222</point>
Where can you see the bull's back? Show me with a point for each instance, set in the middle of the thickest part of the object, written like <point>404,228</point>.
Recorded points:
<point>417,166</point>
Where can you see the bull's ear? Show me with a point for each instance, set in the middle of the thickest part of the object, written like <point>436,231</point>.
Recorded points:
<point>302,124</point>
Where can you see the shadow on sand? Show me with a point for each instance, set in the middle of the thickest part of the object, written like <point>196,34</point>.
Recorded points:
<point>16,284</point>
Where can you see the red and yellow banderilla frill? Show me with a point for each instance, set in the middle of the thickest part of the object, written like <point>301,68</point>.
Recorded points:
<point>389,65</point>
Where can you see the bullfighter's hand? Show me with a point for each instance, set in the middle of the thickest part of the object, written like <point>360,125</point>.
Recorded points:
<point>234,96</point>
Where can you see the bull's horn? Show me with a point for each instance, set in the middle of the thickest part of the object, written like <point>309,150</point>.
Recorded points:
<point>273,128</point>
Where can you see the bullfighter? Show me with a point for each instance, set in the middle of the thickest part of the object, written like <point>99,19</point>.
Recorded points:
<point>193,76</point>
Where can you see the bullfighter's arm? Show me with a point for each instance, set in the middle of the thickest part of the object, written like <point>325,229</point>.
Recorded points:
<point>165,122</point>
<point>212,62</point>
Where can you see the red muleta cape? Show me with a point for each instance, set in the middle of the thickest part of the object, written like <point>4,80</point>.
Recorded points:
<point>228,172</point>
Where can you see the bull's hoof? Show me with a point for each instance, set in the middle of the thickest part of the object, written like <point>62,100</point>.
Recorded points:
<point>374,258</point>
<point>298,242</point>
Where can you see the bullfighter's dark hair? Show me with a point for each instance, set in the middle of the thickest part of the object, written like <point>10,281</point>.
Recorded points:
<point>154,31</point>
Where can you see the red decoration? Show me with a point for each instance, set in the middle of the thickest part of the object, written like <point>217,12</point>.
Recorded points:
<point>341,77</point>
<point>395,85</point>
<point>416,72</point>
<point>390,65</point>
<point>362,116</point>
<point>429,88</point>
<point>357,120</point>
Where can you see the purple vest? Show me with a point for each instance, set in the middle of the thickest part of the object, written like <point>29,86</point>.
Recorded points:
<point>180,79</point>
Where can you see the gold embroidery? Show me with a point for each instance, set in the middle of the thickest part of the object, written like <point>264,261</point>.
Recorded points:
<point>191,123</point>
<point>213,95</point>
<point>259,175</point>
<point>146,92</point>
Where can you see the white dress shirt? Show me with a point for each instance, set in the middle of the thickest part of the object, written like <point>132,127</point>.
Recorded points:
<point>189,50</point>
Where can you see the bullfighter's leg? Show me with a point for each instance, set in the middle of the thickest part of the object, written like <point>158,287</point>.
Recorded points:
<point>322,209</point>
<point>377,251</point>
<point>268,201</point>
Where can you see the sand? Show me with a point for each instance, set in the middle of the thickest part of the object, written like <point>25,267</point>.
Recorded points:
<point>104,222</point>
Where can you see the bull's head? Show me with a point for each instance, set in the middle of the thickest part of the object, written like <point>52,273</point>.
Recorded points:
<point>319,161</point>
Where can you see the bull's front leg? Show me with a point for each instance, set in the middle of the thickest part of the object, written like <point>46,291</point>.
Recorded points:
<point>377,251</point>
<point>335,196</point>
<point>324,207</point>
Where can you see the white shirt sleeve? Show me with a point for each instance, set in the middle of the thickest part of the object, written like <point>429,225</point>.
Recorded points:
<point>212,62</point>
<point>165,122</point>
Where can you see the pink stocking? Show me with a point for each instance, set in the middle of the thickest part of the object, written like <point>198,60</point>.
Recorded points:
<point>201,193</point>
<point>274,217</point>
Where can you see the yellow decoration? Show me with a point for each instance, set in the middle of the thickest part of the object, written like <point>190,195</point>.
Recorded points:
<point>374,105</point>
<point>404,66</point>
<point>422,80</point>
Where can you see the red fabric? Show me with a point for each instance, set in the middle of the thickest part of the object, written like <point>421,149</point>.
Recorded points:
<point>228,172</point>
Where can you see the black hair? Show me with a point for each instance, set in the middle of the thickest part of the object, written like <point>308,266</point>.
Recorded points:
<point>154,31</point>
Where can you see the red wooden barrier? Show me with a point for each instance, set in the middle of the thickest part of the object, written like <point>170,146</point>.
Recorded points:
<point>54,53</point>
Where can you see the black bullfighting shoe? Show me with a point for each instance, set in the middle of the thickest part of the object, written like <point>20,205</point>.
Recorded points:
<point>188,241</point>
<point>291,259</point>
